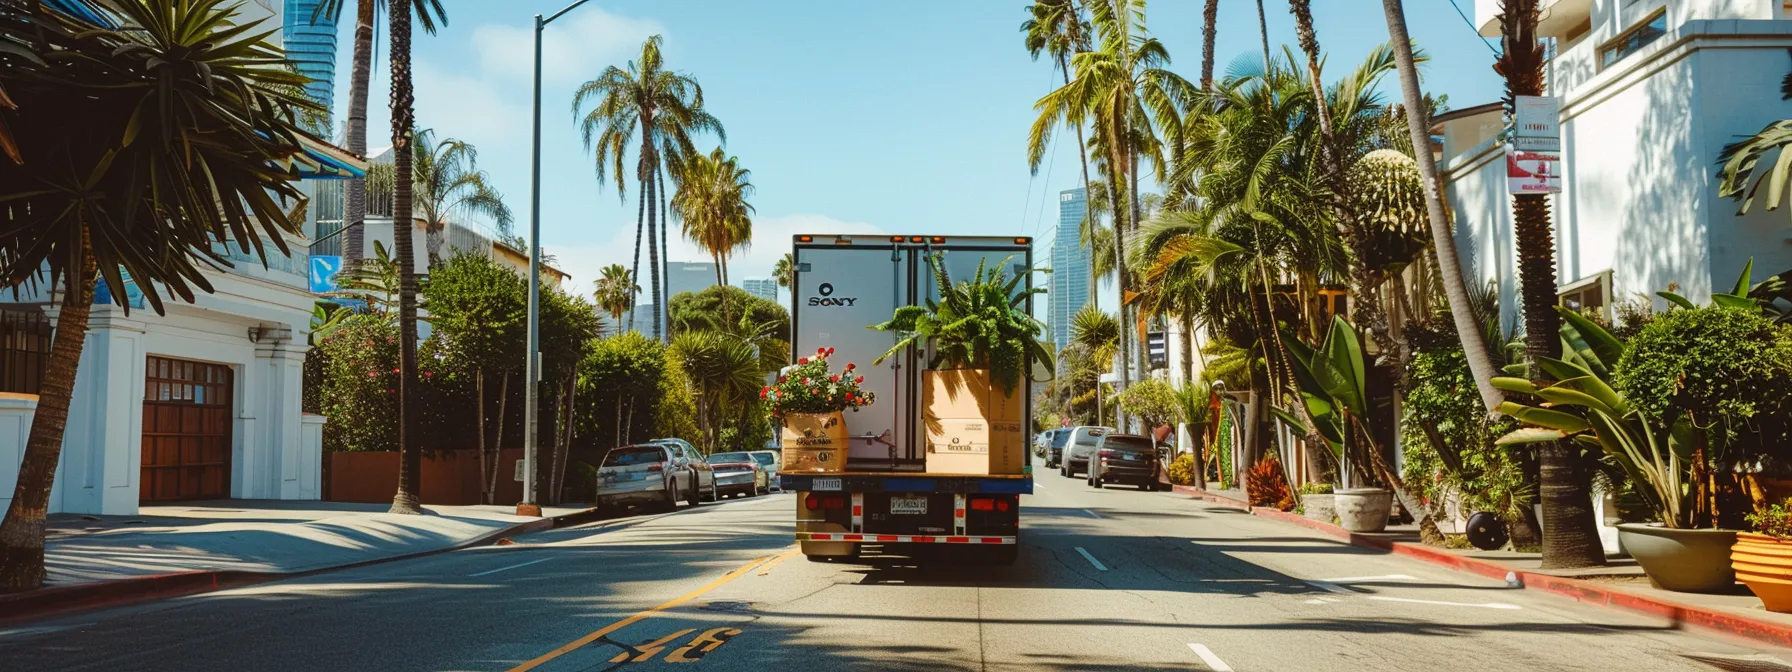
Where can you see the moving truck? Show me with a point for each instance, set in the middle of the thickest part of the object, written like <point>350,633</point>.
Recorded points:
<point>887,496</point>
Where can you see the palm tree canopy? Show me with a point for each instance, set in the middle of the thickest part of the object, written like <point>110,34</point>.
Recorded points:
<point>785,270</point>
<point>1055,28</point>
<point>664,106</point>
<point>428,13</point>
<point>616,290</point>
<point>712,202</point>
<point>447,180</point>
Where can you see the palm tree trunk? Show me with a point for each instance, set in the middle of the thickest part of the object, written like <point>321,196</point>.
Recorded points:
<point>1141,354</point>
<point>485,464</point>
<point>1082,155</point>
<point>634,272</point>
<point>1263,30</point>
<point>665,251</point>
<point>1570,538</point>
<point>1443,238</point>
<point>354,207</point>
<point>572,399</point>
<point>22,531</point>
<point>491,485</point>
<point>409,460</point>
<point>1209,18</point>
<point>653,251</point>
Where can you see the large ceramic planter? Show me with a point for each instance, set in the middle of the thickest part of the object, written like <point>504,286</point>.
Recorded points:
<point>1688,561</point>
<point>1318,507</point>
<point>1363,509</point>
<point>1764,563</point>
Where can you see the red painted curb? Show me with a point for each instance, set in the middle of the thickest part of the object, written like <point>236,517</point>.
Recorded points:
<point>63,600</point>
<point>1585,592</point>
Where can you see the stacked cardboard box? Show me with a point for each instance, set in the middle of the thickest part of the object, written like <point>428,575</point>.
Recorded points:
<point>973,425</point>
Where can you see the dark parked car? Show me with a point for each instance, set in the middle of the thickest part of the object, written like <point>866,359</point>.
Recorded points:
<point>1126,458</point>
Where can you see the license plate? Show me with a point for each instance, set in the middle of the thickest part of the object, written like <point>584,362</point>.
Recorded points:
<point>826,484</point>
<point>908,505</point>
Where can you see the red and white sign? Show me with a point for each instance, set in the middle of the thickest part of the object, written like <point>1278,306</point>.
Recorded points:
<point>1533,172</point>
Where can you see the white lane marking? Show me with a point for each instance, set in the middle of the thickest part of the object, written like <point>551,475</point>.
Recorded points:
<point>1213,662</point>
<point>1039,486</point>
<point>1365,579</point>
<point>502,569</point>
<point>1092,514</point>
<point>1092,559</point>
<point>40,630</point>
<point>1483,605</point>
<point>1332,587</point>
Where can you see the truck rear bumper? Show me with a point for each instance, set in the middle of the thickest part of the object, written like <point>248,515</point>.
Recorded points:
<point>900,538</point>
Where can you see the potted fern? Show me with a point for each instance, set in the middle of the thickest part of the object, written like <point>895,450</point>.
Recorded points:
<point>980,343</point>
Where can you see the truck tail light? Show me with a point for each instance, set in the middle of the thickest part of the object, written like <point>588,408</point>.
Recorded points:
<point>815,502</point>
<point>982,504</point>
<point>1002,504</point>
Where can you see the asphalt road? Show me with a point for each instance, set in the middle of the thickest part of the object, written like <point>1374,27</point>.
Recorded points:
<point>1108,580</point>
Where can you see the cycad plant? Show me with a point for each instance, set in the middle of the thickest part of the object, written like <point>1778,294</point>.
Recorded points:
<point>981,323</point>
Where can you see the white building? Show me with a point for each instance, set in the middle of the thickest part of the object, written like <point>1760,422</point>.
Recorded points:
<point>1651,91</point>
<point>764,288</point>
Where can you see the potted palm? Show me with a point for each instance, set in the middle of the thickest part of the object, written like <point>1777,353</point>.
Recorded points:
<point>980,342</point>
<point>810,401</point>
<point>1334,395</point>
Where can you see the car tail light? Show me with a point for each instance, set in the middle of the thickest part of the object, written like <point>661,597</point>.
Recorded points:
<point>816,502</point>
<point>661,466</point>
<point>1106,453</point>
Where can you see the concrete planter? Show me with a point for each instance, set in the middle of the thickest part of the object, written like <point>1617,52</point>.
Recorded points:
<point>1764,564</point>
<point>1318,507</point>
<point>1363,509</point>
<point>1688,561</point>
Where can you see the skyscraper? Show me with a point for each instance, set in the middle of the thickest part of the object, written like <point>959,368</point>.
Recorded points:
<point>311,46</point>
<point>763,288</point>
<point>1069,288</point>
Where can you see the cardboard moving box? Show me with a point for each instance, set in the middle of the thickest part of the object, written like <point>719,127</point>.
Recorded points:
<point>973,426</point>
<point>814,443</point>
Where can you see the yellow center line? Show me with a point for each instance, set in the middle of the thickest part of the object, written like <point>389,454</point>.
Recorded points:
<point>767,567</point>
<point>576,644</point>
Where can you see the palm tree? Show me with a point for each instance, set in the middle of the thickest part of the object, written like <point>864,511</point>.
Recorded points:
<point>1263,31</point>
<point>1443,240</point>
<point>108,174</point>
<point>784,272</point>
<point>354,206</point>
<point>403,122</point>
<point>1570,538</point>
<point>448,181</point>
<point>724,371</point>
<point>1210,16</point>
<point>616,291</point>
<point>712,202</point>
<point>1057,27</point>
<point>665,107</point>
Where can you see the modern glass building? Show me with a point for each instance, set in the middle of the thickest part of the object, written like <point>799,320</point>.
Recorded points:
<point>763,288</point>
<point>1070,266</point>
<point>311,46</point>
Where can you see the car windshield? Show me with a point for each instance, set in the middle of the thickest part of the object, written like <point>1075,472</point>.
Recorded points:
<point>1132,443</point>
<point>765,459</point>
<point>1060,438</point>
<point>633,455</point>
<point>719,458</point>
<point>1090,438</point>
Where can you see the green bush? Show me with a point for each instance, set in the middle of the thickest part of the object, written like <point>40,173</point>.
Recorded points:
<point>359,389</point>
<point>1443,406</point>
<point>1182,469</point>
<point>1729,369</point>
<point>622,386</point>
<point>1316,489</point>
<point>1152,400</point>
<point>1774,521</point>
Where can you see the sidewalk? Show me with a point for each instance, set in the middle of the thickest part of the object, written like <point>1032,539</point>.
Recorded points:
<point>191,547</point>
<point>1621,583</point>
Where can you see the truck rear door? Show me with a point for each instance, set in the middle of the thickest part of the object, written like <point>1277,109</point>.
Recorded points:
<point>837,293</point>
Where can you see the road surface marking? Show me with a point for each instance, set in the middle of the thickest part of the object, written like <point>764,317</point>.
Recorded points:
<point>1366,579</point>
<point>1332,587</point>
<point>1321,600</point>
<point>1484,605</point>
<point>595,635</point>
<point>1092,514</point>
<point>1040,486</point>
<point>767,567</point>
<point>1091,559</point>
<point>1213,662</point>
<point>504,569</point>
<point>647,651</point>
<point>702,645</point>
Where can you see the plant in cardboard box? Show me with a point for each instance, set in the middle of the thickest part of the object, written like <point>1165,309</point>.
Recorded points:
<point>981,342</point>
<point>810,400</point>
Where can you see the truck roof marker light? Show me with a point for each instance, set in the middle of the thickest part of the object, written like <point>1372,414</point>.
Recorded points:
<point>895,239</point>
<point>916,239</point>
<point>937,240</point>
<point>805,239</point>
<point>1022,241</point>
<point>842,240</point>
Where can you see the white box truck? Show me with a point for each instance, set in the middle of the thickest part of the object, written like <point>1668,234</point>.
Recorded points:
<point>885,497</point>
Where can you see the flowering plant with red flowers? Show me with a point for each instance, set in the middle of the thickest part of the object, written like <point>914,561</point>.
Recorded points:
<point>809,386</point>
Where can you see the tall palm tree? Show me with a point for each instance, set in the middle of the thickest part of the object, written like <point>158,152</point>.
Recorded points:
<point>712,203</point>
<point>1057,28</point>
<point>403,190</point>
<point>616,290</point>
<point>1263,31</point>
<point>108,174</point>
<point>784,272</point>
<point>1210,16</point>
<point>1570,538</point>
<point>665,108</point>
<point>448,181</point>
<point>1443,240</point>
<point>354,206</point>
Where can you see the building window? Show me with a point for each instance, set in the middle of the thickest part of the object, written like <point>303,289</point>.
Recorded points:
<point>24,348</point>
<point>1637,37</point>
<point>1589,295</point>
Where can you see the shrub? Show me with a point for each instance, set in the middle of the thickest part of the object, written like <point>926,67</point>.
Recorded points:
<point>1774,521</point>
<point>1153,400</point>
<point>359,390</point>
<point>1729,369</point>
<point>1316,489</point>
<point>1182,469</point>
<point>1443,406</point>
<point>1265,486</point>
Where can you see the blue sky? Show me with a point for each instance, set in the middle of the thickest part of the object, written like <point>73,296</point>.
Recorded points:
<point>853,115</point>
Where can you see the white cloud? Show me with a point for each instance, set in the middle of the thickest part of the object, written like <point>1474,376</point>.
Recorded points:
<point>574,49</point>
<point>771,235</point>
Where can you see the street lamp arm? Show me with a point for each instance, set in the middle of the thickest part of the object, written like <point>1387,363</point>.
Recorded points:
<point>562,12</point>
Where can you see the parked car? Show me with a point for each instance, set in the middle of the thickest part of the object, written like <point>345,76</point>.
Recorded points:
<point>687,458</point>
<point>738,474</point>
<point>1078,447</point>
<point>643,474</point>
<point>1050,446</point>
<point>1126,458</point>
<point>772,462</point>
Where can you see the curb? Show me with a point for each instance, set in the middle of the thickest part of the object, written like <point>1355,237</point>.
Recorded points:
<point>1585,592</point>
<point>65,600</point>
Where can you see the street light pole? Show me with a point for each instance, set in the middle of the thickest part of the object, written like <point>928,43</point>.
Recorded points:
<point>532,359</point>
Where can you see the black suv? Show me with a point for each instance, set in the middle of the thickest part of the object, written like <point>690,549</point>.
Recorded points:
<point>1126,458</point>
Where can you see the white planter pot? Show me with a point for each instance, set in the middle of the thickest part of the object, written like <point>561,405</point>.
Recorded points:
<point>1318,507</point>
<point>1363,509</point>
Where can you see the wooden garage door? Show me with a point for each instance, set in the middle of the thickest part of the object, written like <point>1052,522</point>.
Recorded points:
<point>186,430</point>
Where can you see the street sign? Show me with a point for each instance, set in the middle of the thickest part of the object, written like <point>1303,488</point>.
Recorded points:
<point>1534,150</point>
<point>1537,117</point>
<point>324,269</point>
<point>1533,172</point>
